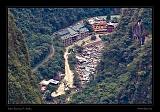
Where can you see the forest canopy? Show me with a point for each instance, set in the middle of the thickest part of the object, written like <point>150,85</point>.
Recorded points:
<point>123,76</point>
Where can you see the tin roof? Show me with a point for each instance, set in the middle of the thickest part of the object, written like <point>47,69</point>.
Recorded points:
<point>63,32</point>
<point>65,36</point>
<point>83,30</point>
<point>54,81</point>
<point>71,31</point>
<point>77,26</point>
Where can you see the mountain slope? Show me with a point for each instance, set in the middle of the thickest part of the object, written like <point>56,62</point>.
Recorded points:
<point>22,84</point>
<point>125,72</point>
<point>38,24</point>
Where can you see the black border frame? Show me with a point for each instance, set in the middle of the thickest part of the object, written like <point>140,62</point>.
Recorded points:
<point>89,106</point>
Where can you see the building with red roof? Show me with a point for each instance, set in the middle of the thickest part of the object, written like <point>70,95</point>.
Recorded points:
<point>100,26</point>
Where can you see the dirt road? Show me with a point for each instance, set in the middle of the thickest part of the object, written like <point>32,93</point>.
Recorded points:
<point>45,60</point>
<point>68,73</point>
<point>67,82</point>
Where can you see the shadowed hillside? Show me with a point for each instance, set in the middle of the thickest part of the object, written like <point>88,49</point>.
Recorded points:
<point>22,84</point>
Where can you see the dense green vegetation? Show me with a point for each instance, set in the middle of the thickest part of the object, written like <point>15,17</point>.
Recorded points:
<point>39,48</point>
<point>108,18</point>
<point>38,24</point>
<point>72,60</point>
<point>49,20</point>
<point>88,26</point>
<point>55,64</point>
<point>123,76</point>
<point>22,83</point>
<point>125,72</point>
<point>115,20</point>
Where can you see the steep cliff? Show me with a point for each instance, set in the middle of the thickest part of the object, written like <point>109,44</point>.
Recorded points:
<point>22,83</point>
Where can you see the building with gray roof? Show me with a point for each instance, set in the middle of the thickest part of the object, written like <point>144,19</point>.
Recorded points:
<point>83,30</point>
<point>77,26</point>
<point>73,33</point>
<point>65,36</point>
<point>63,32</point>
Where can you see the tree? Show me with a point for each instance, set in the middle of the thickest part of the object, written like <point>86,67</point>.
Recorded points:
<point>77,81</point>
<point>83,43</point>
<point>22,83</point>
<point>70,50</point>
<point>108,18</point>
<point>115,20</point>
<point>72,60</point>
<point>88,26</point>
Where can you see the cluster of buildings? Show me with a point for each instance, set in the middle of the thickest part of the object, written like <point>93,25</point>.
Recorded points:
<point>100,25</point>
<point>73,33</point>
<point>78,31</point>
<point>44,83</point>
<point>54,81</point>
<point>88,60</point>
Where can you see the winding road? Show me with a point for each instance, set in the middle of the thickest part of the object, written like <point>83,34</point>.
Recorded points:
<point>46,59</point>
